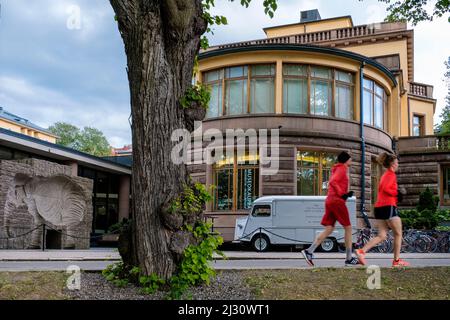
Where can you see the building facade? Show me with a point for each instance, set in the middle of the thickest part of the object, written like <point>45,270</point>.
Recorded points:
<point>328,86</point>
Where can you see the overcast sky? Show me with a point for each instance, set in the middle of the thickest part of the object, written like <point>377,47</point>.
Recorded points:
<point>53,69</point>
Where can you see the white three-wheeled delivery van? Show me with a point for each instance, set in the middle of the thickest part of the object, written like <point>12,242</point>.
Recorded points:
<point>289,220</point>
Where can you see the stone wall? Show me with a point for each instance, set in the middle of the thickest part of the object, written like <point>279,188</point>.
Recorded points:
<point>417,171</point>
<point>35,192</point>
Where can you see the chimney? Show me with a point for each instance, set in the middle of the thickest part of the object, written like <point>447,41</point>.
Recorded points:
<point>309,15</point>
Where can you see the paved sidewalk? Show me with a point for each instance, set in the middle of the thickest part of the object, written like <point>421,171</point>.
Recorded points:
<point>111,254</point>
<point>60,255</point>
<point>241,255</point>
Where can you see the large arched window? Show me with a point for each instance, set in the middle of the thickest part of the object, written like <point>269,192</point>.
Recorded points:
<point>318,91</point>
<point>374,104</point>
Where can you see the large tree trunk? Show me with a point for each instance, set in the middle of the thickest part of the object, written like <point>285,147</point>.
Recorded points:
<point>161,41</point>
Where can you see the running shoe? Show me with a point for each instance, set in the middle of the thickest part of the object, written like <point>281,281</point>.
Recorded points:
<point>352,262</point>
<point>308,257</point>
<point>361,255</point>
<point>399,263</point>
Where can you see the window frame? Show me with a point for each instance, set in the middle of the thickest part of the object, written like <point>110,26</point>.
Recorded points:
<point>322,153</point>
<point>421,124</point>
<point>234,188</point>
<point>373,95</point>
<point>333,82</point>
<point>261,205</point>
<point>248,78</point>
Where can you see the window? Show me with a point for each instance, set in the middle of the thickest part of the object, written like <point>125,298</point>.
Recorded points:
<point>344,95</point>
<point>313,172</point>
<point>324,83</point>
<point>295,89</point>
<point>418,127</point>
<point>214,81</point>
<point>321,94</point>
<point>237,183</point>
<point>236,90</point>
<point>262,89</point>
<point>261,211</point>
<point>223,180</point>
<point>241,90</point>
<point>375,104</point>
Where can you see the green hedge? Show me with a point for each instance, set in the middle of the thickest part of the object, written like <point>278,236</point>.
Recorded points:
<point>426,215</point>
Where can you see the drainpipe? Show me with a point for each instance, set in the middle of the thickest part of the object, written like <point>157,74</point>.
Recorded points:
<point>363,146</point>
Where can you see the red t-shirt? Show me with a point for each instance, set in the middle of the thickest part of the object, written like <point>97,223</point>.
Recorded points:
<point>338,185</point>
<point>387,190</point>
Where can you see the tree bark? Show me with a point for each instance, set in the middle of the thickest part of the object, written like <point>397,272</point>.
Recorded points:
<point>161,41</point>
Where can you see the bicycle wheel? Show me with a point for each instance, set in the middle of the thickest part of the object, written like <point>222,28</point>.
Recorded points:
<point>420,245</point>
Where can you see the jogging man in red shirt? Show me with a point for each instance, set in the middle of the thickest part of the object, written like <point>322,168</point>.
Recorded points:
<point>336,210</point>
<point>386,211</point>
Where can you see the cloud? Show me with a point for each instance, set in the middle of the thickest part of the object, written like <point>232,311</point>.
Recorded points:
<point>50,72</point>
<point>45,106</point>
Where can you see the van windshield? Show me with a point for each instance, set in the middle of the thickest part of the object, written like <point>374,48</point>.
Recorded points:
<point>261,211</point>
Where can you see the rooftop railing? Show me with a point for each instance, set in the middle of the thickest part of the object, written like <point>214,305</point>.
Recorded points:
<point>321,36</point>
<point>422,90</point>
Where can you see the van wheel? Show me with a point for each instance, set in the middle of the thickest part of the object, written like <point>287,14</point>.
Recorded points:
<point>260,243</point>
<point>328,245</point>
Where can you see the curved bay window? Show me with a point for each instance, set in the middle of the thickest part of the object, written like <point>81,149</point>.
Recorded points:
<point>241,90</point>
<point>318,91</point>
<point>374,104</point>
<point>236,181</point>
<point>313,172</point>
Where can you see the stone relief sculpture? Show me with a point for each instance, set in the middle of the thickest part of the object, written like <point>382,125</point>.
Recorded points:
<point>55,200</point>
<point>36,192</point>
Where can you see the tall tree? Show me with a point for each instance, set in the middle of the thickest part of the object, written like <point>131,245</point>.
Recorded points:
<point>89,140</point>
<point>444,126</point>
<point>162,39</point>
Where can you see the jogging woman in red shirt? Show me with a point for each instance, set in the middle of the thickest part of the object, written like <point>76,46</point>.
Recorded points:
<point>336,210</point>
<point>386,211</point>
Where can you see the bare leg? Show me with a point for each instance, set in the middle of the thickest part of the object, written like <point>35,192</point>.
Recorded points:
<point>320,238</point>
<point>348,237</point>
<point>381,236</point>
<point>396,225</point>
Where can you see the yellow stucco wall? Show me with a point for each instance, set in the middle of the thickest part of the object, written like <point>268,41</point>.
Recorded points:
<point>424,108</point>
<point>385,48</point>
<point>301,28</point>
<point>9,125</point>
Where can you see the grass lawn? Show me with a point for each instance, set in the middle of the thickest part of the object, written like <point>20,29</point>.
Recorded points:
<point>32,285</point>
<point>320,284</point>
<point>330,283</point>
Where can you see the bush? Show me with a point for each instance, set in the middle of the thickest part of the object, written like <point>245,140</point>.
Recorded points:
<point>120,274</point>
<point>427,200</point>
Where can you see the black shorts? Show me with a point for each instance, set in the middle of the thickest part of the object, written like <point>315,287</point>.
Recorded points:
<point>386,213</point>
